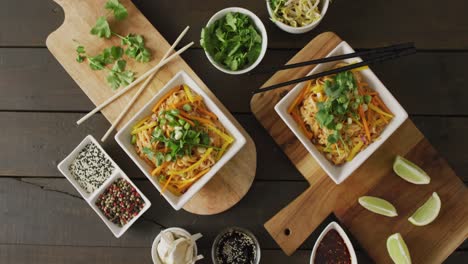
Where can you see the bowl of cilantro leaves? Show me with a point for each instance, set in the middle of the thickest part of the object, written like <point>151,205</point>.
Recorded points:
<point>234,40</point>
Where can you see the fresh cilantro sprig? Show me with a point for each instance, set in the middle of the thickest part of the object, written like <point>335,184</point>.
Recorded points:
<point>120,12</point>
<point>343,99</point>
<point>117,75</point>
<point>135,43</point>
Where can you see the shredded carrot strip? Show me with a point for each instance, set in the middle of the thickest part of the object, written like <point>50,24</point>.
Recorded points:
<point>382,104</point>
<point>187,120</point>
<point>364,122</point>
<point>155,108</point>
<point>189,182</point>
<point>299,98</point>
<point>207,112</point>
<point>195,165</point>
<point>298,120</point>
<point>200,119</point>
<point>159,168</point>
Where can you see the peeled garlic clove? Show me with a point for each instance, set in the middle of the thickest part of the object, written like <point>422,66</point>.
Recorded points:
<point>165,245</point>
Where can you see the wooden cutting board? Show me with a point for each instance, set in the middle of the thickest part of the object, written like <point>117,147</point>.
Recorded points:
<point>293,224</point>
<point>233,181</point>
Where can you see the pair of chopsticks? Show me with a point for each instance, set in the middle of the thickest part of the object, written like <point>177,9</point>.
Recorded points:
<point>372,56</point>
<point>148,76</point>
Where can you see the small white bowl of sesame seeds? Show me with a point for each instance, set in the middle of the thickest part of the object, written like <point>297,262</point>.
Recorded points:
<point>92,172</point>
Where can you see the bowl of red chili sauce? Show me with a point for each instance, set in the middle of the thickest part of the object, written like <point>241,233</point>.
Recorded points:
<point>333,247</point>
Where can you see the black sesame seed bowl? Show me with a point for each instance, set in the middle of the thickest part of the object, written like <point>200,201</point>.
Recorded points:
<point>235,245</point>
<point>119,203</point>
<point>91,171</point>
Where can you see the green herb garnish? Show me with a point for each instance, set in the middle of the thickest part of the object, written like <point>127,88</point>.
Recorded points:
<point>118,76</point>
<point>101,28</point>
<point>233,41</point>
<point>120,12</point>
<point>343,100</point>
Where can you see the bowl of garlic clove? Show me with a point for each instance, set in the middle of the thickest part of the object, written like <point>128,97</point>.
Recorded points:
<point>175,246</point>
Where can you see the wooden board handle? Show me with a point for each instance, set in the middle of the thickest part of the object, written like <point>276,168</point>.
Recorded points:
<point>293,224</point>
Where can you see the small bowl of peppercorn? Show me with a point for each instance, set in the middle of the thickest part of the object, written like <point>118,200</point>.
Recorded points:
<point>119,204</point>
<point>235,245</point>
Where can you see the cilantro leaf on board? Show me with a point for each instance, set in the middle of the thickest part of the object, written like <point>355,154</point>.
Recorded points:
<point>136,48</point>
<point>101,28</point>
<point>120,12</point>
<point>80,54</point>
<point>118,76</point>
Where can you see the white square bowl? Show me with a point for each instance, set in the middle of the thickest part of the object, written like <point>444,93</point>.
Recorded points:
<point>91,198</point>
<point>118,230</point>
<point>65,163</point>
<point>123,139</point>
<point>338,173</point>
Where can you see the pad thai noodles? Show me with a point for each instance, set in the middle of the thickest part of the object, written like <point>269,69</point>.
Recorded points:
<point>181,140</point>
<point>340,114</point>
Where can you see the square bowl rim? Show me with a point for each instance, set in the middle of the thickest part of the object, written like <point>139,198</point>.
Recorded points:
<point>336,173</point>
<point>90,198</point>
<point>239,140</point>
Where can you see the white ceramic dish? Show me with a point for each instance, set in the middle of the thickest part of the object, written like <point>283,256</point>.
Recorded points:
<point>323,7</point>
<point>342,233</point>
<point>123,138</point>
<point>258,24</point>
<point>176,230</point>
<point>340,173</point>
<point>91,198</point>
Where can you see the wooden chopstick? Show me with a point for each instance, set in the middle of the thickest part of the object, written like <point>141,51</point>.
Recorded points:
<point>375,51</point>
<point>376,59</point>
<point>164,60</point>
<point>135,97</point>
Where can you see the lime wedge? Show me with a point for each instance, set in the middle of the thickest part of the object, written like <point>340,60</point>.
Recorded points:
<point>398,250</point>
<point>409,171</point>
<point>378,206</point>
<point>428,212</point>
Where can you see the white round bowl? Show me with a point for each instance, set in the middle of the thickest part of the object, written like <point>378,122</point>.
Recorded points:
<point>178,230</point>
<point>323,6</point>
<point>258,24</point>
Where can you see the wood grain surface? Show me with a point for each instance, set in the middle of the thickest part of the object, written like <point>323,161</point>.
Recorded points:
<point>39,99</point>
<point>234,179</point>
<point>293,224</point>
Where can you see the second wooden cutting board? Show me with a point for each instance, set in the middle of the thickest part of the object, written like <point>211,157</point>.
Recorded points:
<point>293,224</point>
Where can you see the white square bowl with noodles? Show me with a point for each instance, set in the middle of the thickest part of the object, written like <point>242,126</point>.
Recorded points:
<point>123,138</point>
<point>338,173</point>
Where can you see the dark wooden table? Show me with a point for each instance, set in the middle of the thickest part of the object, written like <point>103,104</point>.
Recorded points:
<point>44,220</point>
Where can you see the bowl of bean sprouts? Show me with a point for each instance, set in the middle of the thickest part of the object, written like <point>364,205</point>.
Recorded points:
<point>297,16</point>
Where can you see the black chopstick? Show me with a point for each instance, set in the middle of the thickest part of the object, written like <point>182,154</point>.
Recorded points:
<point>375,51</point>
<point>376,59</point>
